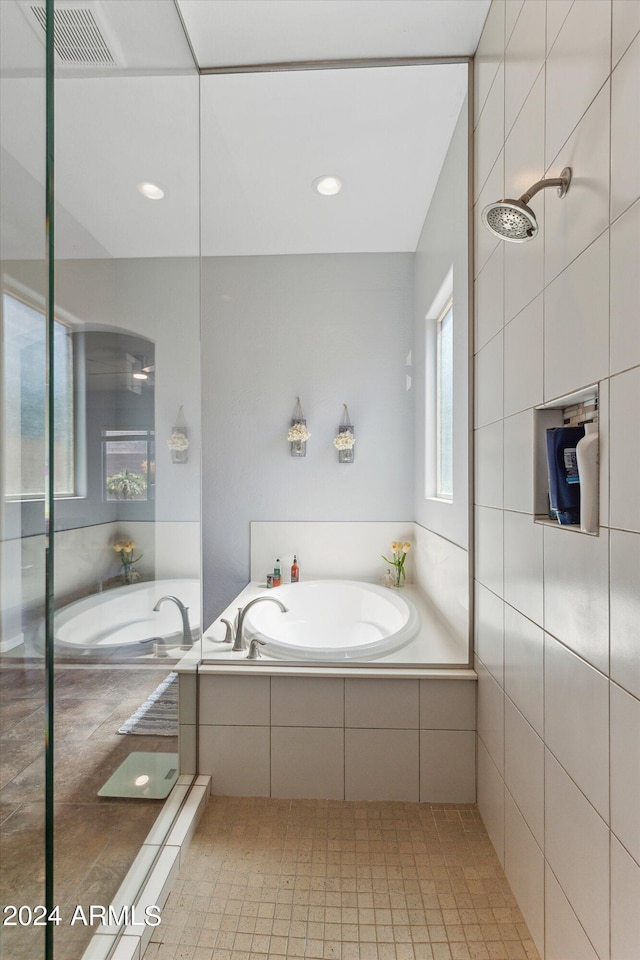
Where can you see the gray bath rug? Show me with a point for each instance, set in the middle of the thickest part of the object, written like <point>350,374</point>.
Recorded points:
<point>158,715</point>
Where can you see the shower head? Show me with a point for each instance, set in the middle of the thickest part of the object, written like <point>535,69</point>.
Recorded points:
<point>514,220</point>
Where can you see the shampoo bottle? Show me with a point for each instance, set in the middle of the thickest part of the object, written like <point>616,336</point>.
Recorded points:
<point>277,579</point>
<point>564,479</point>
<point>587,459</point>
<point>295,571</point>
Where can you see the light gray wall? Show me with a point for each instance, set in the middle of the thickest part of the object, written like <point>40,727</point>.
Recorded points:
<point>443,244</point>
<point>333,329</point>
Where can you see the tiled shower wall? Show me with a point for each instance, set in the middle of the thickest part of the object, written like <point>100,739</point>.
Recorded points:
<point>557,84</point>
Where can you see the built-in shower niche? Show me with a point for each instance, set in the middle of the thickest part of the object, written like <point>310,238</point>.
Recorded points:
<point>574,409</point>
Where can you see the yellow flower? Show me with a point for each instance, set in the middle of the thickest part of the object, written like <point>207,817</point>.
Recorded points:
<point>129,546</point>
<point>118,547</point>
<point>395,546</point>
<point>406,546</point>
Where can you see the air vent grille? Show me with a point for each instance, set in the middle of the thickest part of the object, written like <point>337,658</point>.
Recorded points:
<point>77,37</point>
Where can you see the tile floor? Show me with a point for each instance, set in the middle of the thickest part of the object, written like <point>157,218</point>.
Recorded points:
<point>340,880</point>
<point>96,838</point>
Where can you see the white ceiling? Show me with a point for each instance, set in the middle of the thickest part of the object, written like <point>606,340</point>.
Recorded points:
<point>265,136</point>
<point>232,32</point>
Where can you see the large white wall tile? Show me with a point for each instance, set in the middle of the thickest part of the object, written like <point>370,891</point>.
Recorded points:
<point>235,701</point>
<point>573,222</point>
<point>381,703</point>
<point>523,666</point>
<point>488,460</point>
<point>488,406</point>
<point>307,762</point>
<point>524,58</point>
<point>236,759</point>
<point>579,736</point>
<point>524,769</point>
<point>485,241</point>
<point>489,54</point>
<point>490,631</point>
<point>577,850</point>
<point>382,765</point>
<point>565,939</point>
<point>626,24</point>
<point>524,867</point>
<point>489,562</point>
<point>625,290</point>
<point>523,359</point>
<point>577,66</point>
<point>523,551</point>
<point>307,702</point>
<point>625,897</point>
<point>556,15</point>
<point>518,462</point>
<point>491,799</point>
<point>625,131</point>
<point>447,705</point>
<point>447,766</point>
<point>489,299</point>
<point>576,323</point>
<point>576,592</point>
<point>512,12</point>
<point>625,769</point>
<point>524,165</point>
<point>624,456</point>
<point>490,131</point>
<point>491,716</point>
<point>625,609</point>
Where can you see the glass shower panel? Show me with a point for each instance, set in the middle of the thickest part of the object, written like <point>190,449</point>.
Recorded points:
<point>23,334</point>
<point>128,532</point>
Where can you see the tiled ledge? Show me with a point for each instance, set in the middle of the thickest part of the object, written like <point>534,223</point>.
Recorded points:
<point>153,872</point>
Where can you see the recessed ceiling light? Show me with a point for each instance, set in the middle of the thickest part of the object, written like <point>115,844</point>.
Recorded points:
<point>140,375</point>
<point>328,186</point>
<point>152,191</point>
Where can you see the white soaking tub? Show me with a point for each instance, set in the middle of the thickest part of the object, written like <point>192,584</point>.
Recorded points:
<point>333,620</point>
<point>124,617</point>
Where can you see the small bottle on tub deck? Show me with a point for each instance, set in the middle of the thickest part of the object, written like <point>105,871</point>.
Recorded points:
<point>295,570</point>
<point>277,579</point>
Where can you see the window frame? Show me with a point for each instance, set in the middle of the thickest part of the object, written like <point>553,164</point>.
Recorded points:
<point>37,305</point>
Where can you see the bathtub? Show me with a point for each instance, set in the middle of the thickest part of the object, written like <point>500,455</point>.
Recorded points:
<point>124,617</point>
<point>333,620</point>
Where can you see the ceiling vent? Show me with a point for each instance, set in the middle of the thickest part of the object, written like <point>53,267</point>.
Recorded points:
<point>80,32</point>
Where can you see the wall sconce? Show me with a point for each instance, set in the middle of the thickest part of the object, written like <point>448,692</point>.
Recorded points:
<point>345,439</point>
<point>178,442</point>
<point>298,433</point>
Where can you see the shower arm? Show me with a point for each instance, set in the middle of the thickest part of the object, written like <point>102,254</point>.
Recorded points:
<point>562,183</point>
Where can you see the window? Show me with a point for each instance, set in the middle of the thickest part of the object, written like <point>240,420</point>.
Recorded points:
<point>444,404</point>
<point>23,368</point>
<point>438,395</point>
<point>128,465</point>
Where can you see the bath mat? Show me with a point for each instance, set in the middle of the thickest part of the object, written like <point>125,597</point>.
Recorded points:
<point>158,715</point>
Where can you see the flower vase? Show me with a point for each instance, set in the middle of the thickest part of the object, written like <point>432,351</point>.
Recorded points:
<point>399,577</point>
<point>298,447</point>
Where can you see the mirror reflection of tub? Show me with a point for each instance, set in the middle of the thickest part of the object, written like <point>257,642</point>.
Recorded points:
<point>123,620</point>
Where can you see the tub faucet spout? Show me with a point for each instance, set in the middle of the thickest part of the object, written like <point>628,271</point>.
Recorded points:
<point>187,637</point>
<point>239,642</point>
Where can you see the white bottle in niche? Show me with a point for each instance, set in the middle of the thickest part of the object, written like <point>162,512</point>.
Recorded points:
<point>587,460</point>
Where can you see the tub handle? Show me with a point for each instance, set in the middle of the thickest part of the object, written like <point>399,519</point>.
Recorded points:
<point>254,653</point>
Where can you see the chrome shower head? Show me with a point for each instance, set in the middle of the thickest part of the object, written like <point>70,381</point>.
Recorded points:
<point>510,220</point>
<point>514,220</point>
